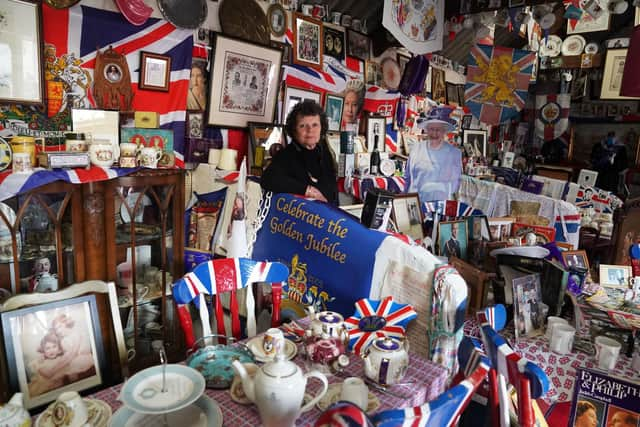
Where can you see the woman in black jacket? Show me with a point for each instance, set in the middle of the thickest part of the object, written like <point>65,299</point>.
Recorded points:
<point>305,166</point>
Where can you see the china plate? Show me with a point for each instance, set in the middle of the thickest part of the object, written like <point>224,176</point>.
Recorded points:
<point>573,45</point>
<point>142,393</point>
<point>5,154</point>
<point>591,48</point>
<point>255,345</point>
<point>138,214</point>
<point>204,412</point>
<point>333,395</point>
<point>552,47</point>
<point>98,411</point>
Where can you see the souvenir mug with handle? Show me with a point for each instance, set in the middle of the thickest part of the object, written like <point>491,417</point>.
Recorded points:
<point>149,156</point>
<point>103,152</point>
<point>607,351</point>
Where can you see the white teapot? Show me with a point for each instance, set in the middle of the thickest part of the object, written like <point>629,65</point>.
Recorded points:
<point>386,360</point>
<point>326,322</point>
<point>278,390</point>
<point>13,413</point>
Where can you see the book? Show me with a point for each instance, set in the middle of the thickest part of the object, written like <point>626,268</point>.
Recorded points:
<point>607,399</point>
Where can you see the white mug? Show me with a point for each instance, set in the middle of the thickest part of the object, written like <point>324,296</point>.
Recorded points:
<point>607,351</point>
<point>272,340</point>
<point>307,9</point>
<point>103,153</point>
<point>354,390</point>
<point>562,339</point>
<point>553,321</point>
<point>22,163</point>
<point>149,156</point>
<point>124,275</point>
<point>75,408</point>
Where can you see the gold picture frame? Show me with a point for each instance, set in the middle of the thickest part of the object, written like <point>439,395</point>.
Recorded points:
<point>612,75</point>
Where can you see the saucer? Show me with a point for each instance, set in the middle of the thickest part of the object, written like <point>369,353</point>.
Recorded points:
<point>255,345</point>
<point>204,412</point>
<point>552,47</point>
<point>98,411</point>
<point>142,393</point>
<point>333,395</point>
<point>573,45</point>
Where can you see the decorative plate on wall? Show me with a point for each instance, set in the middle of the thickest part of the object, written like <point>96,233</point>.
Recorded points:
<point>234,15</point>
<point>5,154</point>
<point>184,13</point>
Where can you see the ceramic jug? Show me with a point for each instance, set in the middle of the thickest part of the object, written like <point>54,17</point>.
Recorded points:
<point>386,361</point>
<point>278,390</point>
<point>13,413</point>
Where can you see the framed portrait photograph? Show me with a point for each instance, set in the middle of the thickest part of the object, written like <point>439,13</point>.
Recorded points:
<point>500,228</point>
<point>197,96</point>
<point>477,139</point>
<point>333,106</point>
<point>21,75</point>
<point>335,41</point>
<point>576,259</point>
<point>453,239</point>
<point>372,73</point>
<point>155,71</point>
<point>285,48</point>
<point>612,74</point>
<point>307,41</point>
<point>195,125</point>
<point>452,94</point>
<point>266,140</point>
<point>615,275</point>
<point>277,18</point>
<point>293,95</point>
<point>527,307</point>
<point>407,215</point>
<point>358,45</point>
<point>376,132</point>
<point>244,83</point>
<point>478,227</point>
<point>466,121</point>
<point>52,348</point>
<point>438,85</point>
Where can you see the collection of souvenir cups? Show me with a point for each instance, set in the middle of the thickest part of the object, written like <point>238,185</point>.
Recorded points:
<point>321,12</point>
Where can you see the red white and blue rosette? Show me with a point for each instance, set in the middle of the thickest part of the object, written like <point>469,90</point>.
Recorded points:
<point>375,319</point>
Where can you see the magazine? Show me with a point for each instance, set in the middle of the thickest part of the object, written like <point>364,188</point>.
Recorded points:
<point>604,400</point>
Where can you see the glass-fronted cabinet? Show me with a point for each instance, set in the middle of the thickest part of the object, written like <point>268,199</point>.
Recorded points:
<point>41,244</point>
<point>144,229</point>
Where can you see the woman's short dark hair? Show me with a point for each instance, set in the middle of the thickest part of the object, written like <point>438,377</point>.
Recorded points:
<point>304,109</point>
<point>583,406</point>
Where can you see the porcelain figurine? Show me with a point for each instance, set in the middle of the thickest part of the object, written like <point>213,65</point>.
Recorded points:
<point>386,360</point>
<point>278,390</point>
<point>13,413</point>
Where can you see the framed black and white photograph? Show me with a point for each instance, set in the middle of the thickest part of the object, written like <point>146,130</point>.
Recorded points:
<point>358,45</point>
<point>308,41</point>
<point>372,73</point>
<point>466,121</point>
<point>277,18</point>
<point>155,72</point>
<point>452,94</point>
<point>477,139</point>
<point>21,69</point>
<point>376,133</point>
<point>407,215</point>
<point>478,227</point>
<point>333,106</point>
<point>615,275</point>
<point>527,308</point>
<point>52,348</point>
<point>500,228</point>
<point>453,239</point>
<point>573,259</point>
<point>293,95</point>
<point>195,124</point>
<point>243,85</point>
<point>335,41</point>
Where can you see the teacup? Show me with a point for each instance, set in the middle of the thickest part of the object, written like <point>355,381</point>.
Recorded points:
<point>272,340</point>
<point>354,390</point>
<point>607,351</point>
<point>149,156</point>
<point>69,410</point>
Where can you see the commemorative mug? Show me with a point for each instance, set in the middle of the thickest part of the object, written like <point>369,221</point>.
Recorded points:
<point>129,149</point>
<point>552,322</point>
<point>335,17</point>
<point>562,339</point>
<point>103,153</point>
<point>24,144</point>
<point>128,161</point>
<point>346,20</point>
<point>607,351</point>
<point>271,340</point>
<point>76,142</point>
<point>319,11</point>
<point>149,156</point>
<point>22,163</point>
<point>355,390</point>
<point>307,9</point>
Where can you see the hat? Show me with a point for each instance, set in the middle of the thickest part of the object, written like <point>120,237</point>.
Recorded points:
<point>438,115</point>
<point>135,11</point>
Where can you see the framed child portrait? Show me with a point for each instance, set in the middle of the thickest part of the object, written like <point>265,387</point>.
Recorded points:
<point>527,308</point>
<point>453,239</point>
<point>407,215</point>
<point>52,348</point>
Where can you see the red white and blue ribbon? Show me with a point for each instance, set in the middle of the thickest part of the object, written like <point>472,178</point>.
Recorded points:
<point>375,319</point>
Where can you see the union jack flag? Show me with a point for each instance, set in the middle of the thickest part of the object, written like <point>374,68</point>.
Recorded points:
<point>81,30</point>
<point>376,319</point>
<point>497,82</point>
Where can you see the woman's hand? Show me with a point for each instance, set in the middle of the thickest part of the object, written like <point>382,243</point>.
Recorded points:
<point>313,193</point>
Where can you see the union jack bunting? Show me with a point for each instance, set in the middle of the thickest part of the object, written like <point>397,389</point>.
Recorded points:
<point>552,115</point>
<point>448,208</point>
<point>359,186</point>
<point>497,82</point>
<point>308,78</point>
<point>72,37</point>
<point>374,319</point>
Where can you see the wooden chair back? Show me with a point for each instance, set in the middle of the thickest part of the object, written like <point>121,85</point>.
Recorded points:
<point>115,369</point>
<point>226,276</point>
